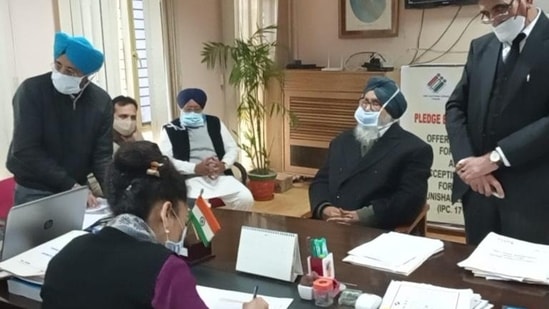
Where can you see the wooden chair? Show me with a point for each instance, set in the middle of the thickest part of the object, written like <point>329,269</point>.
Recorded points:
<point>418,226</point>
<point>237,171</point>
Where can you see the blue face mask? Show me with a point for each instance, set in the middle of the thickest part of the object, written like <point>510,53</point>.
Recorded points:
<point>371,118</point>
<point>191,119</point>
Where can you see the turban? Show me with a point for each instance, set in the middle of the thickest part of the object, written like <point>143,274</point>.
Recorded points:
<point>79,51</point>
<point>385,88</point>
<point>185,95</point>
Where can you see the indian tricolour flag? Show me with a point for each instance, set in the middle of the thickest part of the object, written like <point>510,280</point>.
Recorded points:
<point>204,221</point>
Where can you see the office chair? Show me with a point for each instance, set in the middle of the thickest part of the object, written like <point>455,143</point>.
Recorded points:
<point>7,186</point>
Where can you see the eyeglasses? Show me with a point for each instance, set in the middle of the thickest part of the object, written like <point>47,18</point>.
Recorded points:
<point>498,14</point>
<point>372,105</point>
<point>65,70</point>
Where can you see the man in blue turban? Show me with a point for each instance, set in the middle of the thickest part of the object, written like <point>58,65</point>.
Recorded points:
<point>202,147</point>
<point>62,124</point>
<point>376,174</point>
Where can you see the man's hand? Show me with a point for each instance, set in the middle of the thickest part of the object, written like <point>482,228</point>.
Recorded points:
<point>92,200</point>
<point>346,217</point>
<point>256,303</point>
<point>216,167</point>
<point>203,168</point>
<point>474,167</point>
<point>487,185</point>
<point>330,212</point>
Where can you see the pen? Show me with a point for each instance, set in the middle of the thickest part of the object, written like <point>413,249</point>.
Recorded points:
<point>255,291</point>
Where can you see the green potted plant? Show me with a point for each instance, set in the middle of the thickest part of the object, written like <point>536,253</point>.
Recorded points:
<point>250,68</point>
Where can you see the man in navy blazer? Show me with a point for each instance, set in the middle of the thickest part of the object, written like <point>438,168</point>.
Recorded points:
<point>377,173</point>
<point>498,125</point>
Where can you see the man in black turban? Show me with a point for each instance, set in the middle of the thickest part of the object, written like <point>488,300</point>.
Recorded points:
<point>202,147</point>
<point>377,173</point>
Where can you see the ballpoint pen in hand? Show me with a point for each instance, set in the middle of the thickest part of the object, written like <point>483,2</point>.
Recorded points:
<point>255,291</point>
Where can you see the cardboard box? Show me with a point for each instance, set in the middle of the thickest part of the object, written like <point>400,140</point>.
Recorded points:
<point>283,182</point>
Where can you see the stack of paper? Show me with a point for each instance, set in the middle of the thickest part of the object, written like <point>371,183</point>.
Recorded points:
<point>408,295</point>
<point>499,257</point>
<point>30,266</point>
<point>381,253</point>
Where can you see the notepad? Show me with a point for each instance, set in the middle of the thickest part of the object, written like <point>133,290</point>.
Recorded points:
<point>269,253</point>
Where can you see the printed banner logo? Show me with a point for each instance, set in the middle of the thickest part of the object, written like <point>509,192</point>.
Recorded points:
<point>437,83</point>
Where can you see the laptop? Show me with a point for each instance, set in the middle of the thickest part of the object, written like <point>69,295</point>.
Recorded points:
<point>31,224</point>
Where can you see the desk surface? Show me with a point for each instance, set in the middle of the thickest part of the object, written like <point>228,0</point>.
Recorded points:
<point>440,269</point>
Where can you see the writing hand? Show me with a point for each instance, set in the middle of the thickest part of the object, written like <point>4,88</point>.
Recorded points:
<point>256,303</point>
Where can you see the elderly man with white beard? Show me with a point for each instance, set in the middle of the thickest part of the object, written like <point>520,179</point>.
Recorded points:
<point>375,174</point>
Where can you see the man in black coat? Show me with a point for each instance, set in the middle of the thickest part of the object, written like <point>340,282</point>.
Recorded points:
<point>377,173</point>
<point>62,124</point>
<point>498,125</point>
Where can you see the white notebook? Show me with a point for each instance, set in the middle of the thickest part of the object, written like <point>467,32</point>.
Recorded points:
<point>269,253</point>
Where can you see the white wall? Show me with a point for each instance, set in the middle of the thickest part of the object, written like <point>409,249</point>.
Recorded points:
<point>317,34</point>
<point>26,32</point>
<point>199,21</point>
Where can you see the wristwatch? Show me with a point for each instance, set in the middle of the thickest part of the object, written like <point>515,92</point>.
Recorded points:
<point>495,158</point>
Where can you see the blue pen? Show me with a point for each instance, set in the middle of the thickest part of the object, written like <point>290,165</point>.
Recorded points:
<point>255,291</point>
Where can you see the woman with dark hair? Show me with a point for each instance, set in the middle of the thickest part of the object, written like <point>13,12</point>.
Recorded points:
<point>133,262</point>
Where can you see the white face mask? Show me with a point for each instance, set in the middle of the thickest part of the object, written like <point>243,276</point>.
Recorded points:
<point>508,30</point>
<point>126,127</point>
<point>66,84</point>
<point>178,247</point>
<point>371,118</point>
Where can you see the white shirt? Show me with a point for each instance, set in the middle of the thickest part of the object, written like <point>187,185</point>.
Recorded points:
<point>186,167</point>
<point>507,47</point>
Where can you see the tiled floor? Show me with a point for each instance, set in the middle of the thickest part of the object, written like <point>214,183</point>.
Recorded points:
<point>295,203</point>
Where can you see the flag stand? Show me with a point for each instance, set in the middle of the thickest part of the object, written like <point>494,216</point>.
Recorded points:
<point>196,251</point>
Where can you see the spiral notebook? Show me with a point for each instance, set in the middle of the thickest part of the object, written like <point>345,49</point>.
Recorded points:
<point>269,253</point>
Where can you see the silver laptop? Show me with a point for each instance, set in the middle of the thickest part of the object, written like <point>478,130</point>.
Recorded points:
<point>31,224</point>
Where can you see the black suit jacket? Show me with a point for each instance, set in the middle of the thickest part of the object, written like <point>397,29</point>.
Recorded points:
<point>521,125</point>
<point>392,176</point>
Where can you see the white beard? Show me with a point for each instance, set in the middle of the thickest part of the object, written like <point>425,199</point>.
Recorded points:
<point>366,136</point>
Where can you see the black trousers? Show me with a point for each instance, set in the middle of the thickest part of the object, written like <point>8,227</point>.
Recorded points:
<point>525,221</point>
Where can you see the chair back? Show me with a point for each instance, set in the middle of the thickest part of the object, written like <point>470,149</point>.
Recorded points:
<point>418,226</point>
<point>7,187</point>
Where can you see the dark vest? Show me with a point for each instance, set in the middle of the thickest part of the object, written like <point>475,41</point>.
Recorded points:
<point>497,97</point>
<point>106,270</point>
<point>179,138</point>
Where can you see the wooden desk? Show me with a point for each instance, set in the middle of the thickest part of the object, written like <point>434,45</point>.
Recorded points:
<point>440,269</point>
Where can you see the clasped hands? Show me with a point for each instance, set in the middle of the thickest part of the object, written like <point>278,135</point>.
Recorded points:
<point>477,173</point>
<point>210,167</point>
<point>338,215</point>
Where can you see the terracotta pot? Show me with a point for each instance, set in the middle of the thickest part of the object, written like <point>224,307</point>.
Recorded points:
<point>262,186</point>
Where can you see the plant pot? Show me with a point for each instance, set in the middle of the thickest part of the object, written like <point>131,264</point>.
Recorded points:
<point>262,185</point>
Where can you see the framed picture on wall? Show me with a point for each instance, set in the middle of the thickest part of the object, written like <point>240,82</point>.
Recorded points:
<point>368,18</point>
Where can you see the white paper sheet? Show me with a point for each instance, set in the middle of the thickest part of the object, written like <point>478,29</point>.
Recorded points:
<point>226,299</point>
<point>33,262</point>
<point>499,257</point>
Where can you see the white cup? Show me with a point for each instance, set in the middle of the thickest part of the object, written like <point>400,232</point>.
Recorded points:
<point>305,292</point>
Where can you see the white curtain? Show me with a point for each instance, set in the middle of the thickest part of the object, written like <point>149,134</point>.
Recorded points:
<point>99,22</point>
<point>251,14</point>
<point>8,83</point>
